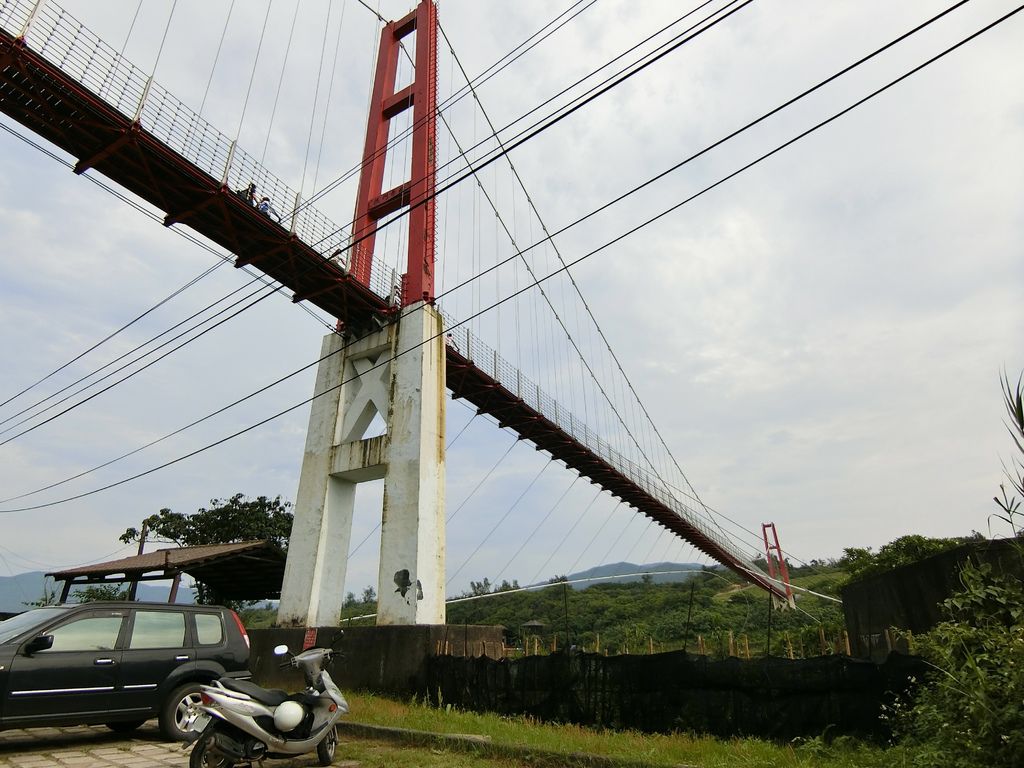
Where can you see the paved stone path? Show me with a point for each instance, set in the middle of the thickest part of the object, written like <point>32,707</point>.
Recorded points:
<point>97,747</point>
<point>89,747</point>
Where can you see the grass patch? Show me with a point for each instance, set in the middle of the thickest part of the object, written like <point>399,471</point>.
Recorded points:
<point>652,749</point>
<point>374,754</point>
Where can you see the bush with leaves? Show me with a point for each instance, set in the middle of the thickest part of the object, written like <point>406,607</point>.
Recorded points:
<point>226,521</point>
<point>860,562</point>
<point>971,712</point>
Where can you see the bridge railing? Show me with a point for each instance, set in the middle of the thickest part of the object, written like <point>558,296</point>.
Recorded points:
<point>487,359</point>
<point>62,40</point>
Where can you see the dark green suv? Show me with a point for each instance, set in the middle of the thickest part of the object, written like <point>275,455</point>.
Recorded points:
<point>115,663</point>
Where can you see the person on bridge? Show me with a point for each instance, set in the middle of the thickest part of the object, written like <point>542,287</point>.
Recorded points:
<point>268,209</point>
<point>248,194</point>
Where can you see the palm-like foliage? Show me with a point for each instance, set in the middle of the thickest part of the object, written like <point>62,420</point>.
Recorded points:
<point>1013,399</point>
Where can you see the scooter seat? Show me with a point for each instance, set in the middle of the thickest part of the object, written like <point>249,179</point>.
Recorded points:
<point>269,696</point>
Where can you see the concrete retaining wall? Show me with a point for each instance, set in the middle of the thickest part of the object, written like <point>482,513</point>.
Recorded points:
<point>390,659</point>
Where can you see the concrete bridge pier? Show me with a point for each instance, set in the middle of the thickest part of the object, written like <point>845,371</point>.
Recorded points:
<point>398,373</point>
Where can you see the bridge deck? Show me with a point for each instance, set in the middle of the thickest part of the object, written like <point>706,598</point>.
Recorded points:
<point>40,95</point>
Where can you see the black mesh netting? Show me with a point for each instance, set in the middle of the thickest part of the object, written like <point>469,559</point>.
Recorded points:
<point>772,698</point>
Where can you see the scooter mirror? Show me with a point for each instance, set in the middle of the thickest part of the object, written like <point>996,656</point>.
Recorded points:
<point>280,650</point>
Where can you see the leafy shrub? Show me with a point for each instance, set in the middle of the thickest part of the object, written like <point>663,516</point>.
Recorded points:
<point>971,712</point>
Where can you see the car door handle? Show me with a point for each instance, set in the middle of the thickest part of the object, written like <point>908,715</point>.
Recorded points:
<point>182,658</point>
<point>103,662</point>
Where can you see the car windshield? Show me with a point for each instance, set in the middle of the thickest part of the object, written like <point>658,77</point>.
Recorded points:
<point>23,622</point>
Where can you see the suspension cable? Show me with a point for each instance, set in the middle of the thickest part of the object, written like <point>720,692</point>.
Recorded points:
<point>508,512</point>
<point>216,57</point>
<point>537,527</point>
<point>280,82</point>
<point>252,74</point>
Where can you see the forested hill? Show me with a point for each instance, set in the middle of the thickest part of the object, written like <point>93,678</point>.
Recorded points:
<point>642,614</point>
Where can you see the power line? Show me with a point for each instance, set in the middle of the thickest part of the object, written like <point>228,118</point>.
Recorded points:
<point>149,364</point>
<point>111,335</point>
<point>121,357</point>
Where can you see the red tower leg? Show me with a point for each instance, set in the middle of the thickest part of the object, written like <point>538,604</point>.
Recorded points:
<point>372,203</point>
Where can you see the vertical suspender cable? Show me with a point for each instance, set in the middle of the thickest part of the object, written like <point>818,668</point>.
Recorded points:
<point>131,27</point>
<point>167,28</point>
<point>159,53</point>
<point>330,92</point>
<point>216,57</point>
<point>316,99</point>
<point>280,82</point>
<point>252,75</point>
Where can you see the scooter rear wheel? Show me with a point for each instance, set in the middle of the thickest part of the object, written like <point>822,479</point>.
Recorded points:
<point>325,749</point>
<point>202,757</point>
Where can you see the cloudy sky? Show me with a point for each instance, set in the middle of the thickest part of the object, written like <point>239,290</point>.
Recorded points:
<point>819,340</point>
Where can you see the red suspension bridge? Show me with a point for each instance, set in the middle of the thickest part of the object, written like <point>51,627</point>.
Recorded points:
<point>64,84</point>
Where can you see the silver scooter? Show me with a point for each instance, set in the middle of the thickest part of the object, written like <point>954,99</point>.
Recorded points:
<point>240,722</point>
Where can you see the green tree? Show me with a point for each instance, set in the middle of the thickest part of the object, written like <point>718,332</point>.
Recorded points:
<point>49,597</point>
<point>225,521</point>
<point>902,551</point>
<point>98,592</point>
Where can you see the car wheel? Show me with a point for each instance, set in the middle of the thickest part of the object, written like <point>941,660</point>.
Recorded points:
<point>174,711</point>
<point>202,757</point>
<point>326,748</point>
<point>126,726</point>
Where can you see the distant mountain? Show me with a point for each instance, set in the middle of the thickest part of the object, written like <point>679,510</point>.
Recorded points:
<point>17,590</point>
<point>620,573</point>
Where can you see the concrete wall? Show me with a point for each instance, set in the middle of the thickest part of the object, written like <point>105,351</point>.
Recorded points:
<point>908,597</point>
<point>386,659</point>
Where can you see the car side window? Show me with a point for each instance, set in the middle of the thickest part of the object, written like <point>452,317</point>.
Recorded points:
<point>209,630</point>
<point>158,629</point>
<point>89,633</point>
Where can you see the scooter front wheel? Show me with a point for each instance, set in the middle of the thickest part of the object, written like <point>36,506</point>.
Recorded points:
<point>203,757</point>
<point>326,748</point>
